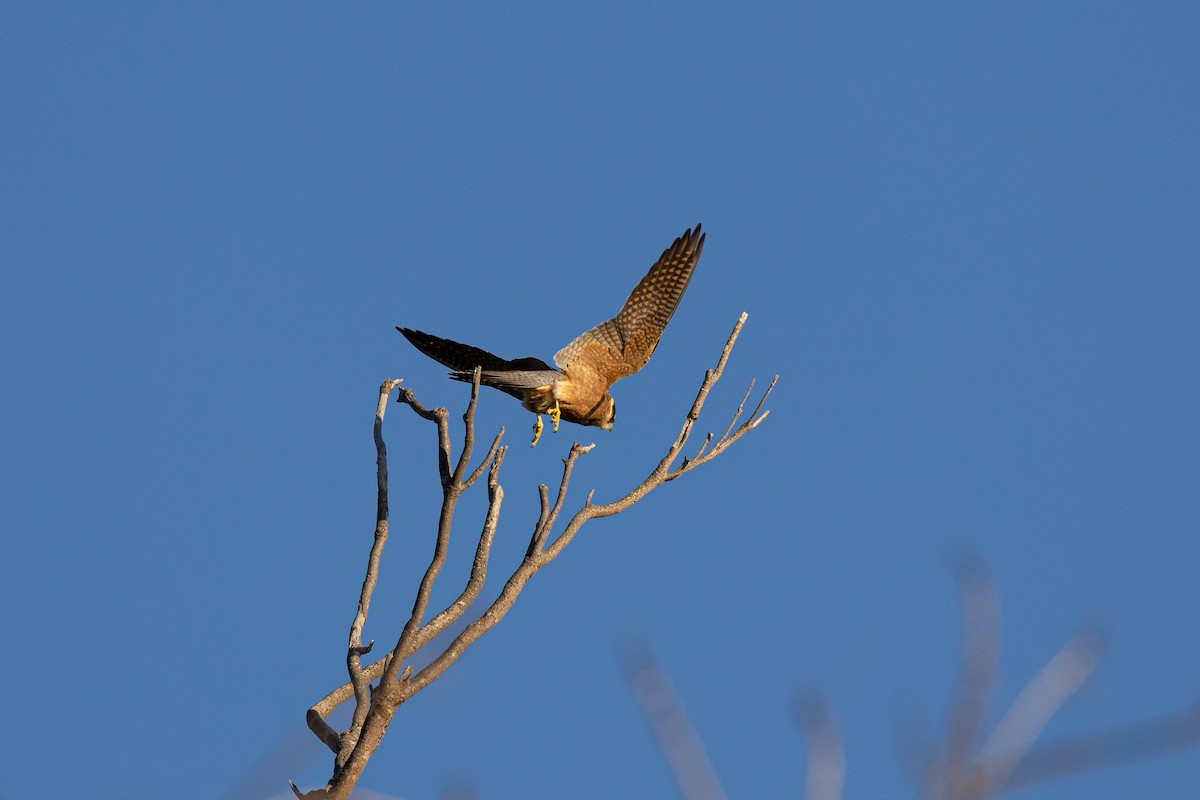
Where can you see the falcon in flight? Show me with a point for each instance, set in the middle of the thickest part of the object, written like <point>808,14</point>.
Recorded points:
<point>577,390</point>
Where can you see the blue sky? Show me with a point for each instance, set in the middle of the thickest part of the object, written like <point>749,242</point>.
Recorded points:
<point>967,240</point>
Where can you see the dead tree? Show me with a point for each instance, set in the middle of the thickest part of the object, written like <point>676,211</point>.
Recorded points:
<point>380,688</point>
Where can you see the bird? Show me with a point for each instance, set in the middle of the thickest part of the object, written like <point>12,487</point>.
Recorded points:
<point>576,389</point>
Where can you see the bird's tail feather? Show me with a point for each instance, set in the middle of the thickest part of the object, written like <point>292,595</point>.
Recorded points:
<point>515,377</point>
<point>515,382</point>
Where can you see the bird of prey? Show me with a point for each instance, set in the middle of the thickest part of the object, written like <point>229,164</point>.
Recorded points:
<point>577,390</point>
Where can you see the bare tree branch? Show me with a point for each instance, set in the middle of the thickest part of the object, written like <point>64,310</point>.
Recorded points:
<point>549,516</point>
<point>397,679</point>
<point>1106,748</point>
<point>491,453</point>
<point>980,655</point>
<point>673,731</point>
<point>455,610</point>
<point>826,756</point>
<point>355,648</point>
<point>1040,700</point>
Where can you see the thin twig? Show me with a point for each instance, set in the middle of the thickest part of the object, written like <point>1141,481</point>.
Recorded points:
<point>442,418</point>
<point>673,731</point>
<point>1016,732</point>
<point>491,453</point>
<point>826,756</point>
<point>543,515</point>
<point>546,523</point>
<point>451,614</point>
<point>980,655</point>
<point>1105,748</point>
<point>738,413</point>
<point>699,451</point>
<point>464,457</point>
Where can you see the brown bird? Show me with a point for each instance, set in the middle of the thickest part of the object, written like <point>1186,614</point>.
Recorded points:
<point>577,390</point>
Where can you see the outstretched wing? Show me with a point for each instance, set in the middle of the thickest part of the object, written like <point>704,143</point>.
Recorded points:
<point>514,377</point>
<point>619,347</point>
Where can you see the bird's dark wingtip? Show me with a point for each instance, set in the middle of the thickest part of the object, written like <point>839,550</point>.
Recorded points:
<point>415,337</point>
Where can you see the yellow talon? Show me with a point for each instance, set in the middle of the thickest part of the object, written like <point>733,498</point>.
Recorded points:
<point>555,415</point>
<point>537,429</point>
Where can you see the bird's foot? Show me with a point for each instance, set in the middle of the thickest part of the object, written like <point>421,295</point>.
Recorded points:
<point>555,415</point>
<point>537,429</point>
